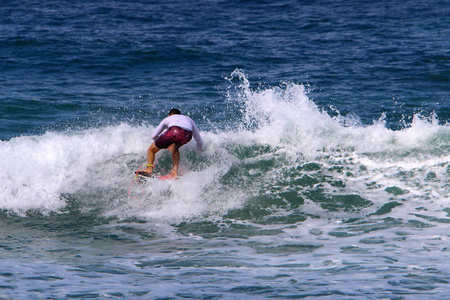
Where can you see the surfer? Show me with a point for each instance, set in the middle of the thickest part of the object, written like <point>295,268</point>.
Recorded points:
<point>180,130</point>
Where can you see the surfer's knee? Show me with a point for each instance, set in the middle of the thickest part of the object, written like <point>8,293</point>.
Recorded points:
<point>153,148</point>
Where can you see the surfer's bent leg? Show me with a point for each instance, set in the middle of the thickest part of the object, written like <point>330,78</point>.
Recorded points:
<point>175,160</point>
<point>172,140</point>
<point>152,150</point>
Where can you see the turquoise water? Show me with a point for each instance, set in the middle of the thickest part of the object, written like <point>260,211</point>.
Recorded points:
<point>326,164</point>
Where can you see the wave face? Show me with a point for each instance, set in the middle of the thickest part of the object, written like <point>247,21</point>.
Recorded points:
<point>326,164</point>
<point>283,197</point>
<point>282,160</point>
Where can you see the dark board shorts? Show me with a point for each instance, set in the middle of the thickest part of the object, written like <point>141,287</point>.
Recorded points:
<point>174,135</point>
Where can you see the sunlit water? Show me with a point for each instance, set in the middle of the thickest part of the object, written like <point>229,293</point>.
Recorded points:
<point>325,172</point>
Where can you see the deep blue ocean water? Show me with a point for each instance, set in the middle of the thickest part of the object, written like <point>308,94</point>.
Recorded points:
<point>326,166</point>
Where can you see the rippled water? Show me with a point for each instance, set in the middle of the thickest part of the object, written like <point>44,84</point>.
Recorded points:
<point>326,165</point>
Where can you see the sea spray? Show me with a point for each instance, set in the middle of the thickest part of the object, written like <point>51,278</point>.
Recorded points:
<point>38,170</point>
<point>286,161</point>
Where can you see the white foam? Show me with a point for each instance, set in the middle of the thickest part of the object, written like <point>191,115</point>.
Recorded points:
<point>38,171</point>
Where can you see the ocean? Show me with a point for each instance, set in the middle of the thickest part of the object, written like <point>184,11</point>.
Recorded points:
<point>325,170</point>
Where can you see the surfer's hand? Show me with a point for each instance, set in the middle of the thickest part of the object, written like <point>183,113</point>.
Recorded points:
<point>199,150</point>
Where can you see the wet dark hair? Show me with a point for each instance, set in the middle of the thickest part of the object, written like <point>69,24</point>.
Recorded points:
<point>174,111</point>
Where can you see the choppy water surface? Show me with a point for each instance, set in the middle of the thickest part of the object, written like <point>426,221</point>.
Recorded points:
<point>326,166</point>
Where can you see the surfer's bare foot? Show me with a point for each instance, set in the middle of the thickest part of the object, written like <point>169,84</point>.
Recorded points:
<point>146,172</point>
<point>172,175</point>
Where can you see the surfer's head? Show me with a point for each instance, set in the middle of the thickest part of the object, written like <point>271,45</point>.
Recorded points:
<point>174,111</point>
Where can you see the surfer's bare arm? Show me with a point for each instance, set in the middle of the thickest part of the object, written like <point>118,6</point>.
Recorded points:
<point>197,137</point>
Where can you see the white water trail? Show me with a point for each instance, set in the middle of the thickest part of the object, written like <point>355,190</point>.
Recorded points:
<point>279,124</point>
